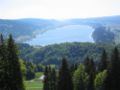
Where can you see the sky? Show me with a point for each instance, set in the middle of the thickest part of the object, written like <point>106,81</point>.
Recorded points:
<point>58,9</point>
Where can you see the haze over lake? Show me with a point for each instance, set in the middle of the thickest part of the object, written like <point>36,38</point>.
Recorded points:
<point>69,33</point>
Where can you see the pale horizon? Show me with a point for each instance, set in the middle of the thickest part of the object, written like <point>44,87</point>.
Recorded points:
<point>58,9</point>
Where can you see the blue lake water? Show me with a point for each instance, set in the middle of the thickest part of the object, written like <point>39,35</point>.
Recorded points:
<point>70,33</point>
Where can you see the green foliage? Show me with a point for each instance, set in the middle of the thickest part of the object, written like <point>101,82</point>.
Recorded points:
<point>89,66</point>
<point>14,79</point>
<point>30,72</point>
<point>3,63</point>
<point>46,79</point>
<point>50,78</point>
<point>10,70</point>
<point>53,80</point>
<point>103,62</point>
<point>39,68</point>
<point>64,78</point>
<point>100,80</point>
<point>51,54</point>
<point>91,72</point>
<point>83,76</point>
<point>80,78</point>
<point>113,77</point>
<point>23,67</point>
<point>73,68</point>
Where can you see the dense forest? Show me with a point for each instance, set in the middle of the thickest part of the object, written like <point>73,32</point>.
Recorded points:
<point>74,52</point>
<point>88,74</point>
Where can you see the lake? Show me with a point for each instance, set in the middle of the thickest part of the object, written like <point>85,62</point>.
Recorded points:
<point>69,33</point>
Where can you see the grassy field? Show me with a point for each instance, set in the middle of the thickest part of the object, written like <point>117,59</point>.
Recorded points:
<point>34,84</point>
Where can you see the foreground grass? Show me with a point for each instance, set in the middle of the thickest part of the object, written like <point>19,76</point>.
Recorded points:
<point>34,84</point>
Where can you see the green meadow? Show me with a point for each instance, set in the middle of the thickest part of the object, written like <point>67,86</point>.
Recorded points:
<point>34,84</point>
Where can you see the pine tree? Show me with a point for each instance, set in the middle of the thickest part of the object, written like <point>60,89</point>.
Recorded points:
<point>50,77</point>
<point>46,79</point>
<point>87,65</point>
<point>80,78</point>
<point>73,67</point>
<point>99,81</point>
<point>103,64</point>
<point>112,81</point>
<point>53,80</point>
<point>90,70</point>
<point>15,81</point>
<point>30,72</point>
<point>50,80</point>
<point>65,79</point>
<point>3,64</point>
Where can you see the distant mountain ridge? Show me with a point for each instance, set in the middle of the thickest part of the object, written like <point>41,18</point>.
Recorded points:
<point>26,29</point>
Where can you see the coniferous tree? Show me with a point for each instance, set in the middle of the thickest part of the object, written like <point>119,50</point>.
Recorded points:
<point>30,72</point>
<point>73,67</point>
<point>46,79</point>
<point>87,65</point>
<point>39,68</point>
<point>112,81</point>
<point>49,78</point>
<point>90,70</point>
<point>15,81</point>
<point>91,75</point>
<point>65,79</point>
<point>103,64</point>
<point>80,78</point>
<point>3,64</point>
<point>99,81</point>
<point>53,80</point>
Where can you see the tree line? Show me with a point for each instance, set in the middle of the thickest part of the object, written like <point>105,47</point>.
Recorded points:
<point>89,75</point>
<point>10,71</point>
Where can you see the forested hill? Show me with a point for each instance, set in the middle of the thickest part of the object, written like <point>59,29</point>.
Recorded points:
<point>107,20</point>
<point>52,54</point>
<point>25,29</point>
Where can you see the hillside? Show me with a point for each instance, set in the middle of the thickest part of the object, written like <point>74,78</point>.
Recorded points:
<point>52,54</point>
<point>25,29</point>
<point>105,30</point>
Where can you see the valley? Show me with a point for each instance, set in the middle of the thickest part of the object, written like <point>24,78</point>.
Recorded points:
<point>49,31</point>
<point>44,47</point>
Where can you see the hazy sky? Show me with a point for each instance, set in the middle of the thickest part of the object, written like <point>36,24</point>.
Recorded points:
<point>58,9</point>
